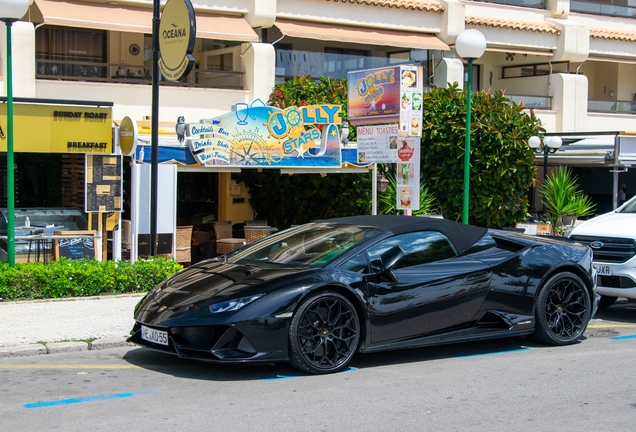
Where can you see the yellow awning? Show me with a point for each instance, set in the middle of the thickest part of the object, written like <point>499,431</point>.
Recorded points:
<point>358,35</point>
<point>115,17</point>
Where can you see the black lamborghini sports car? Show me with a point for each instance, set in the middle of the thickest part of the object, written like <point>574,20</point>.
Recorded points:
<point>316,294</point>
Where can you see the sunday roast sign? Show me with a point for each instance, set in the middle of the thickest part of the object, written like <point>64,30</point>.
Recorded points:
<point>259,136</point>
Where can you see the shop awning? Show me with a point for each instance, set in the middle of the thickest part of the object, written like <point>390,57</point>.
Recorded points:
<point>115,17</point>
<point>358,35</point>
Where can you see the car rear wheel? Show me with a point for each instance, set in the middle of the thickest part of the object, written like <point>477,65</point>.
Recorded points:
<point>562,310</point>
<point>324,333</point>
<point>606,302</point>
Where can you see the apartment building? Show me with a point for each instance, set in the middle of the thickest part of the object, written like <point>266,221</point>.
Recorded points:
<point>571,61</point>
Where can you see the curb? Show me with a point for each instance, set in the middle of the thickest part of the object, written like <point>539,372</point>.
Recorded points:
<point>26,350</point>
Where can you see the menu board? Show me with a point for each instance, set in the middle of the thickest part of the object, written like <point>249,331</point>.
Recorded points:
<point>74,248</point>
<point>378,143</point>
<point>103,188</point>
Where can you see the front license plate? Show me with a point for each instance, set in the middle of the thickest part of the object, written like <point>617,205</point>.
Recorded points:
<point>153,335</point>
<point>603,270</point>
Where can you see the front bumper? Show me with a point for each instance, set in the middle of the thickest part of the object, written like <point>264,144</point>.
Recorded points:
<point>621,283</point>
<point>235,343</point>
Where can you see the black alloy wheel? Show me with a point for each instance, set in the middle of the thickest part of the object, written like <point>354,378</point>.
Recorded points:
<point>563,310</point>
<point>324,333</point>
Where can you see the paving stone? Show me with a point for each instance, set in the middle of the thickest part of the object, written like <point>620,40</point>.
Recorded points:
<point>22,350</point>
<point>61,347</point>
<point>28,322</point>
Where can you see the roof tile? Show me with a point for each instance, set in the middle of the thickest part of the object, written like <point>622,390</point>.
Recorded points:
<point>420,5</point>
<point>534,26</point>
<point>621,35</point>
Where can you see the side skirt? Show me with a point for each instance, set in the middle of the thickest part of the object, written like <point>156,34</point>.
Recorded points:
<point>470,335</point>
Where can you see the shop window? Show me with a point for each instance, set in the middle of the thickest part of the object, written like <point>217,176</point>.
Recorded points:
<point>70,53</point>
<point>339,61</point>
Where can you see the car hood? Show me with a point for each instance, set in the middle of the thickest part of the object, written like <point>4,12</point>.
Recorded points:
<point>608,225</point>
<point>208,283</point>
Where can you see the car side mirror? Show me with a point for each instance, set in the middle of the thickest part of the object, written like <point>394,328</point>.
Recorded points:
<point>389,259</point>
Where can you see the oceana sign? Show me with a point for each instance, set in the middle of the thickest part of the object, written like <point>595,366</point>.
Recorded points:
<point>177,33</point>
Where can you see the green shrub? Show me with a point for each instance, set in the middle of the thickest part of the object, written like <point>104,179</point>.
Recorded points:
<point>66,278</point>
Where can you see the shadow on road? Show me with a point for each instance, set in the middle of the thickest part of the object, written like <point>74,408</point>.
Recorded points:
<point>623,311</point>
<point>182,368</point>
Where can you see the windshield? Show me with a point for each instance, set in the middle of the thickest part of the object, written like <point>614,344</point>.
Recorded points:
<point>311,244</point>
<point>629,207</point>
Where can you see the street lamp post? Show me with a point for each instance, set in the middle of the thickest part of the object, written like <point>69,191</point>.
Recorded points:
<point>11,11</point>
<point>470,45</point>
<point>550,145</point>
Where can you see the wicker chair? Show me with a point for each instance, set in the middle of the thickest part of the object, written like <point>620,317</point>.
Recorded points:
<point>251,223</point>
<point>184,245</point>
<point>253,233</point>
<point>225,243</point>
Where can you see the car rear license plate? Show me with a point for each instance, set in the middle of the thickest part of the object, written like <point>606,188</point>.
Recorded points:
<point>603,269</point>
<point>153,335</point>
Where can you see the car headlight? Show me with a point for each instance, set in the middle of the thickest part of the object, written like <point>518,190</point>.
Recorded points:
<point>233,305</point>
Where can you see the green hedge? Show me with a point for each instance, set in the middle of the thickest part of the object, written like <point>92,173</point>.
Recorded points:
<point>66,278</point>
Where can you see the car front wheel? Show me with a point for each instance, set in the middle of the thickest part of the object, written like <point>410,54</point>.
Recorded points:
<point>324,333</point>
<point>562,310</point>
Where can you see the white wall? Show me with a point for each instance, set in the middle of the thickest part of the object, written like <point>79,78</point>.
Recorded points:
<point>136,100</point>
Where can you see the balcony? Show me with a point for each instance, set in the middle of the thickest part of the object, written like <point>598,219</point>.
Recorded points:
<point>125,74</point>
<point>534,102</point>
<point>613,8</point>
<point>536,4</point>
<point>614,107</point>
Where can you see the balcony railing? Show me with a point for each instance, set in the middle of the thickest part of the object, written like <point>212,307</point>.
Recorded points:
<point>536,4</point>
<point>125,74</point>
<point>618,107</point>
<point>607,9</point>
<point>536,102</point>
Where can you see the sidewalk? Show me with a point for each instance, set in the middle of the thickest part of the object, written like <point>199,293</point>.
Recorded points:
<point>49,326</point>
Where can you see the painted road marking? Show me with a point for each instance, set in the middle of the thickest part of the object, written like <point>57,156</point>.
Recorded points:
<point>496,352</point>
<point>85,399</point>
<point>300,374</point>
<point>600,326</point>
<point>624,337</point>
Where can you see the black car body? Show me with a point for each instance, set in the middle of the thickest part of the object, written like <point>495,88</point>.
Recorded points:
<point>315,294</point>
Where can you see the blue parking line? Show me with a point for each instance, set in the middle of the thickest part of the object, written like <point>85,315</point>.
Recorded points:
<point>624,337</point>
<point>279,377</point>
<point>495,352</point>
<point>85,399</point>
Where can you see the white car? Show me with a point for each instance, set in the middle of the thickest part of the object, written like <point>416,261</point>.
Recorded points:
<point>612,237</point>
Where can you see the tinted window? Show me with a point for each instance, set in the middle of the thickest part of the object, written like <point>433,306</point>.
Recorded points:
<point>419,248</point>
<point>356,264</point>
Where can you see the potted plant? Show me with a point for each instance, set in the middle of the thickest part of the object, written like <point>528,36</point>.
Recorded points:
<point>562,199</point>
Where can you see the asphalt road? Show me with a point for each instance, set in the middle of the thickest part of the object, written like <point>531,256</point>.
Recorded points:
<point>504,385</point>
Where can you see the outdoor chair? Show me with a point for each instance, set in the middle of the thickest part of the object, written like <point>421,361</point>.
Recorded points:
<point>225,243</point>
<point>254,233</point>
<point>184,245</point>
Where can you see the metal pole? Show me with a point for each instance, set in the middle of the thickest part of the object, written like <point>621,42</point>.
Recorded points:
<point>10,159</point>
<point>546,151</point>
<point>374,189</point>
<point>467,150</point>
<point>154,139</point>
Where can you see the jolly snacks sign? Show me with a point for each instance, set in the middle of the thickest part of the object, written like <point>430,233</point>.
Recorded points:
<point>261,136</point>
<point>387,95</point>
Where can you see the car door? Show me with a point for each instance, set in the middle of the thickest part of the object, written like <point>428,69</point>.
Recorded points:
<point>432,289</point>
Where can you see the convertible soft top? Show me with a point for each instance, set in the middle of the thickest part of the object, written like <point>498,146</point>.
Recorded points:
<point>461,235</point>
